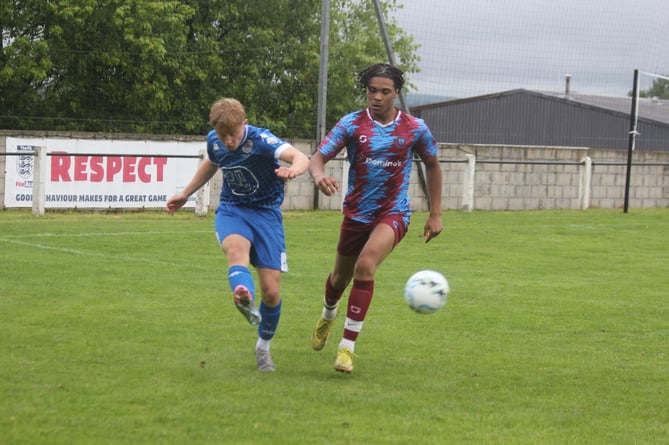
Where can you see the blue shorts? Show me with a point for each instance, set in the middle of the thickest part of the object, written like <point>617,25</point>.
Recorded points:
<point>262,227</point>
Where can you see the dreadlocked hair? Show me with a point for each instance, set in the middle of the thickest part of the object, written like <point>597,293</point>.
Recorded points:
<point>382,70</point>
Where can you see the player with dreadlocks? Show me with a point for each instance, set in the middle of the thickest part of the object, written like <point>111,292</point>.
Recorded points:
<point>380,142</point>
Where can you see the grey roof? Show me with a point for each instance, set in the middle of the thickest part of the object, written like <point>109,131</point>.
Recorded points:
<point>526,117</point>
<point>648,108</point>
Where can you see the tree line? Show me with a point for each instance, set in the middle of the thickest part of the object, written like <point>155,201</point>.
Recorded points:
<point>155,67</point>
<point>659,89</point>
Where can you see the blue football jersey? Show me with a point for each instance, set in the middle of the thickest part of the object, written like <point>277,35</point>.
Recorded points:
<point>248,172</point>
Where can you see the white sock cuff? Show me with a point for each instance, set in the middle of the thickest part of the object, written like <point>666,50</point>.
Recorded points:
<point>353,325</point>
<point>262,344</point>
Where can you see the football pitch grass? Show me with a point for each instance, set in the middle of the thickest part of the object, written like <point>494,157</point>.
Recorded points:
<point>120,329</point>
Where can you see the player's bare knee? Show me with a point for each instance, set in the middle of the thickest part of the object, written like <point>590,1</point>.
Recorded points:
<point>365,268</point>
<point>270,296</point>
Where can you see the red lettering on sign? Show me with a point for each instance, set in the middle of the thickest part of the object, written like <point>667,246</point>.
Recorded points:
<point>114,164</point>
<point>97,169</point>
<point>59,167</point>
<point>129,169</point>
<point>105,168</point>
<point>141,169</point>
<point>160,163</point>
<point>80,170</point>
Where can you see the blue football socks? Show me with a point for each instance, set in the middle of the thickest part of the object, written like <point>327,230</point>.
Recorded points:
<point>241,275</point>
<point>270,320</point>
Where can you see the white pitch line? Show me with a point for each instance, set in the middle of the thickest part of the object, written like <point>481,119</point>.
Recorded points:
<point>99,254</point>
<point>42,246</point>
<point>92,234</point>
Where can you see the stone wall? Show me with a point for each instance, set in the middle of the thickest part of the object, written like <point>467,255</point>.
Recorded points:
<point>501,177</point>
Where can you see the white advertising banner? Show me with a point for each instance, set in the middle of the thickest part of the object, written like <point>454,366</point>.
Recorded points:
<point>89,173</point>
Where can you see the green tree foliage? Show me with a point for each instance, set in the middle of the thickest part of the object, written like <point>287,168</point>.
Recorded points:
<point>25,63</point>
<point>659,89</point>
<point>356,43</point>
<point>156,66</point>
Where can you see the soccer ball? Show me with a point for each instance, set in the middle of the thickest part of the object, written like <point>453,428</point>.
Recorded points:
<point>426,291</point>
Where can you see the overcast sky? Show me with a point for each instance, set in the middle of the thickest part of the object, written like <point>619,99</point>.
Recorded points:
<point>474,47</point>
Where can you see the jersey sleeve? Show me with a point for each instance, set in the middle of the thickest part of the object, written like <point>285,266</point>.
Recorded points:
<point>272,145</point>
<point>426,146</point>
<point>338,137</point>
<point>211,141</point>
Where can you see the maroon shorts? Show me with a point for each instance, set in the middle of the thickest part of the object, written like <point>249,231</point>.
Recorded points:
<point>353,234</point>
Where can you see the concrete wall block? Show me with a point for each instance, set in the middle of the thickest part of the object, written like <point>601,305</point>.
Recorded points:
<point>514,204</point>
<point>419,204</point>
<point>497,186</point>
<point>500,204</point>
<point>483,202</point>
<point>533,204</point>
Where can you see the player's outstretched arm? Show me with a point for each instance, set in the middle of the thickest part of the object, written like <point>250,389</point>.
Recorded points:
<point>298,164</point>
<point>433,176</point>
<point>203,174</point>
<point>326,184</point>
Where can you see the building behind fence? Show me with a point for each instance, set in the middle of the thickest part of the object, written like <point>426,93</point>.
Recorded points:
<point>484,177</point>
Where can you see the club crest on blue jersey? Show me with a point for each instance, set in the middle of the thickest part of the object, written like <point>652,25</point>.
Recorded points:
<point>247,147</point>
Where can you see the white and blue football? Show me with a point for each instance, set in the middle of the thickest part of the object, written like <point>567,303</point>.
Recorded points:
<point>426,291</point>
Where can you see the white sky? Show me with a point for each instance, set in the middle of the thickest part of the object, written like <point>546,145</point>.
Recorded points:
<point>474,47</point>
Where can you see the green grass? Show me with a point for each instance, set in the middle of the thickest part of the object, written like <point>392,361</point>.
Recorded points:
<point>119,329</point>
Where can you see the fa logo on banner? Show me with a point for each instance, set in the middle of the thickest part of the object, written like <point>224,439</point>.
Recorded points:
<point>24,163</point>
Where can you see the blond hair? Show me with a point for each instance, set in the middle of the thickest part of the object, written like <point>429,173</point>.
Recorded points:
<point>226,114</point>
